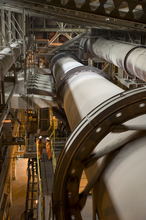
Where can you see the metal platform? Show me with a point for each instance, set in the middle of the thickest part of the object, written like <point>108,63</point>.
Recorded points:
<point>47,174</point>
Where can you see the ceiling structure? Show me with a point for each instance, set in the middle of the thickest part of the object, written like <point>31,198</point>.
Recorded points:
<point>102,14</point>
<point>76,21</point>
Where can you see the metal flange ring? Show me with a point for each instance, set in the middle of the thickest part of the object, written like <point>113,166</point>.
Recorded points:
<point>90,131</point>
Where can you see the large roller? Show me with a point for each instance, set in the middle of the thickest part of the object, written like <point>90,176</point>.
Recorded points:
<point>107,140</point>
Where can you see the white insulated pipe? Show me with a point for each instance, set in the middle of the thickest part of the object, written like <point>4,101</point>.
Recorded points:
<point>83,91</point>
<point>132,59</point>
<point>120,191</point>
<point>8,56</point>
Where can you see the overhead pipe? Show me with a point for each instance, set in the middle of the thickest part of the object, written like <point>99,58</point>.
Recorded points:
<point>128,57</point>
<point>8,56</point>
<point>80,88</point>
<point>5,110</point>
<point>121,182</point>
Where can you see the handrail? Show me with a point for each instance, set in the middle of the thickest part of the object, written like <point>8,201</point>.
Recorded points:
<point>53,147</point>
<point>40,186</point>
<point>53,129</point>
<point>51,119</point>
<point>53,155</point>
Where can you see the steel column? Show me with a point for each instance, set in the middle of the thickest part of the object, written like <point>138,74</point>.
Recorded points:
<point>3,27</point>
<point>24,52</point>
<point>9,26</point>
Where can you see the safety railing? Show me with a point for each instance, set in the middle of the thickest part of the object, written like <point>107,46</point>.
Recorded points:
<point>53,154</point>
<point>40,195</point>
<point>52,149</point>
<point>56,145</point>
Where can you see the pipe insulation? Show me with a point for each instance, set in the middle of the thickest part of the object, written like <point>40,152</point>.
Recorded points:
<point>8,56</point>
<point>127,57</point>
<point>119,192</point>
<point>81,88</point>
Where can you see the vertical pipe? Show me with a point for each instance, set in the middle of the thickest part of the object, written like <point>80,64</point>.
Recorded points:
<point>3,27</point>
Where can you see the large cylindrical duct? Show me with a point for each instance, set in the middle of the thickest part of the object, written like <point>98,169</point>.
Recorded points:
<point>128,57</point>
<point>81,88</point>
<point>8,56</point>
<point>94,106</point>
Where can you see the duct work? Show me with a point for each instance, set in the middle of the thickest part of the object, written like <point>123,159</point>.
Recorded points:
<point>128,57</point>
<point>78,86</point>
<point>98,112</point>
<point>8,56</point>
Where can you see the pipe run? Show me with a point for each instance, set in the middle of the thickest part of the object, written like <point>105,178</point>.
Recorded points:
<point>8,56</point>
<point>127,57</point>
<point>93,106</point>
<point>80,88</point>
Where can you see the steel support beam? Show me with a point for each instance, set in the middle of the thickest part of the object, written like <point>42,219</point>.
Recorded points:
<point>24,48</point>
<point>86,16</point>
<point>3,30</point>
<point>9,26</point>
<point>13,24</point>
<point>66,43</point>
<point>62,31</point>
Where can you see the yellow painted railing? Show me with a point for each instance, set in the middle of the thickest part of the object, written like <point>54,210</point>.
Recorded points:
<point>53,154</point>
<point>53,145</point>
<point>51,119</point>
<point>40,217</point>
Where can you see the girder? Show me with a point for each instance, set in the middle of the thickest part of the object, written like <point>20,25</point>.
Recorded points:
<point>104,14</point>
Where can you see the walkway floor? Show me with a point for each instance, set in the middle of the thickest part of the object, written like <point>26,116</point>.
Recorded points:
<point>19,188</point>
<point>47,175</point>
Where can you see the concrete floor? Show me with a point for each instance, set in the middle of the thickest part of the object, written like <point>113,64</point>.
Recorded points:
<point>87,213</point>
<point>19,188</point>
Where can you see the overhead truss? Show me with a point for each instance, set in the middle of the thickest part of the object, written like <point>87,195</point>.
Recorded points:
<point>102,14</point>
